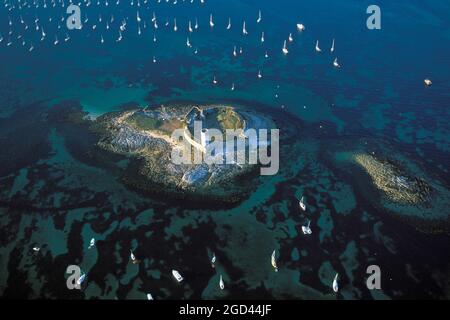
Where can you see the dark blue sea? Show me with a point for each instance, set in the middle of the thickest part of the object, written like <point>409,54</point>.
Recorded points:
<point>56,196</point>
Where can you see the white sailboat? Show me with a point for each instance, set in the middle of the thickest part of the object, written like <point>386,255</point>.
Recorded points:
<point>190,27</point>
<point>274,261</point>
<point>427,82</point>
<point>335,283</point>
<point>307,229</point>
<point>259,17</point>
<point>215,80</point>
<point>175,28</point>
<point>221,284</point>
<point>285,50</point>
<point>211,22</point>
<point>244,29</point>
<point>213,261</point>
<point>332,47</point>
<point>290,38</point>
<point>336,63</point>
<point>300,27</point>
<point>234,52</point>
<point>232,87</point>
<point>149,296</point>
<point>188,43</point>
<point>81,279</point>
<point>302,205</point>
<point>154,59</point>
<point>138,18</point>
<point>132,256</point>
<point>91,243</point>
<point>196,24</point>
<point>56,41</point>
<point>229,24</point>
<point>177,275</point>
<point>259,74</point>
<point>262,37</point>
<point>317,47</point>
<point>36,249</point>
<point>266,55</point>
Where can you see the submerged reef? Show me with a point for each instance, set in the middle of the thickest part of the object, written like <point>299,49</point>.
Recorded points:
<point>394,182</point>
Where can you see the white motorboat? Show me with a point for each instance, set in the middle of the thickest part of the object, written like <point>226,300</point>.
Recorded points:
<point>177,275</point>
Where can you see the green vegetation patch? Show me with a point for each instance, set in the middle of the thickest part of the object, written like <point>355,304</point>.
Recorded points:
<point>229,119</point>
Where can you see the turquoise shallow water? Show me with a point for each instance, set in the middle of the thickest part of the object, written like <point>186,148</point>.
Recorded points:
<point>53,195</point>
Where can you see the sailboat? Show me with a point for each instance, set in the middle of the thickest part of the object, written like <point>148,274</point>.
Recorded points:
<point>211,22</point>
<point>138,18</point>
<point>302,204</point>
<point>266,55</point>
<point>188,43</point>
<point>317,47</point>
<point>234,51</point>
<point>154,59</point>
<point>336,63</point>
<point>213,261</point>
<point>92,243</point>
<point>175,28</point>
<point>244,29</point>
<point>132,256</point>
<point>190,27</point>
<point>196,24</point>
<point>229,24</point>
<point>335,283</point>
<point>259,74</point>
<point>290,37</point>
<point>232,86</point>
<point>214,80</point>
<point>56,41</point>
<point>332,47</point>
<point>259,17</point>
<point>427,82</point>
<point>262,37</point>
<point>221,284</point>
<point>149,296</point>
<point>274,261</point>
<point>177,275</point>
<point>285,50</point>
<point>81,279</point>
<point>36,249</point>
<point>307,229</point>
<point>300,27</point>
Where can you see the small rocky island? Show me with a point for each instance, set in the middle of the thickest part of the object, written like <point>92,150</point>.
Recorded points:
<point>145,136</point>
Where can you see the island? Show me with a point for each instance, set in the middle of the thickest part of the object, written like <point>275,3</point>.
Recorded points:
<point>146,135</point>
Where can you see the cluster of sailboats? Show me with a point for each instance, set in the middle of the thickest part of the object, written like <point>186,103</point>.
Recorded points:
<point>104,24</point>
